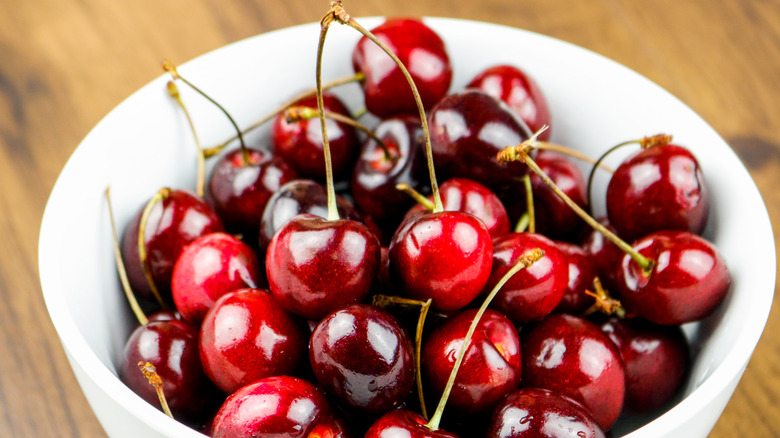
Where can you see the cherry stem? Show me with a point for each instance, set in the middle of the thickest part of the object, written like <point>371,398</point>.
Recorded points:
<point>333,211</point>
<point>170,68</point>
<point>522,223</point>
<point>120,267</point>
<point>572,153</point>
<point>527,259</point>
<point>161,195</point>
<point>529,199</point>
<point>173,90</point>
<point>520,153</point>
<point>338,13</point>
<point>417,196</point>
<point>297,113</point>
<point>604,303</point>
<point>150,372</point>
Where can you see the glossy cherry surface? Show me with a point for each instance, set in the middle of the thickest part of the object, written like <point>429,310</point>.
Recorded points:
<point>572,356</point>
<point>605,254</point>
<point>172,347</point>
<point>299,143</point>
<point>420,49</point>
<point>361,355</point>
<point>535,291</point>
<point>247,336</point>
<point>554,218</point>
<point>687,283</point>
<point>656,360</point>
<point>402,423</point>
<point>445,256</point>
<point>178,219</point>
<point>316,266</point>
<point>490,368</point>
<point>582,271</point>
<point>521,93</point>
<point>540,413</point>
<point>239,188</point>
<point>208,268</point>
<point>277,407</point>
<point>468,129</point>
<point>658,188</point>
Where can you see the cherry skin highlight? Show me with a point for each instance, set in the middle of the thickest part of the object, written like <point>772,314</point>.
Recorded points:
<point>402,423</point>
<point>582,271</point>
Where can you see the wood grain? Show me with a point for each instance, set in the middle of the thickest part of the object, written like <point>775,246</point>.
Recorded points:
<point>65,63</point>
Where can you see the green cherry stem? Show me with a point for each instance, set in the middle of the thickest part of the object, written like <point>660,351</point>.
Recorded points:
<point>529,199</point>
<point>160,196</point>
<point>333,211</point>
<point>173,90</point>
<point>526,260</point>
<point>414,194</point>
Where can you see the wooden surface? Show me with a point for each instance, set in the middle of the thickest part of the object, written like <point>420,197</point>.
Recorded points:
<point>65,63</point>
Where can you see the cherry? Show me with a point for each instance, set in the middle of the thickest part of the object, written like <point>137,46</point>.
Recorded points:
<point>490,369</point>
<point>247,336</point>
<point>280,406</point>
<point>299,143</point>
<point>553,217</point>
<point>604,253</point>
<point>687,282</point>
<point>361,355</point>
<point>468,129</point>
<point>173,219</point>
<point>540,413</point>
<point>534,292</point>
<point>658,188</point>
<point>420,49</point>
<point>582,271</point>
<point>572,356</point>
<point>402,423</point>
<point>515,88</point>
<point>240,185</point>
<point>656,360</point>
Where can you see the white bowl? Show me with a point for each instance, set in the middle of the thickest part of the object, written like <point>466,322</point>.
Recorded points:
<point>145,144</point>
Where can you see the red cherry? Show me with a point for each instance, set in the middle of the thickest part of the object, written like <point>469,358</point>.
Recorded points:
<point>539,413</point>
<point>208,268</point>
<point>658,188</point>
<point>445,256</point>
<point>490,369</point>
<point>582,271</point>
<point>402,423</point>
<point>519,91</point>
<point>688,280</point>
<point>420,49</point>
<point>534,292</point>
<point>277,407</point>
<point>299,143</point>
<point>247,336</point>
<point>362,356</point>
<point>604,253</point>
<point>570,355</point>
<point>316,266</point>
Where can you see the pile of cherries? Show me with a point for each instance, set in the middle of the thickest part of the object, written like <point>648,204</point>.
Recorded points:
<point>289,299</point>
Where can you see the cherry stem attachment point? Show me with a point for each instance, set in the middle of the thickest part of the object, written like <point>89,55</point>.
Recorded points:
<point>160,196</point>
<point>604,303</point>
<point>525,260</point>
<point>150,372</point>
<point>173,90</point>
<point>417,196</point>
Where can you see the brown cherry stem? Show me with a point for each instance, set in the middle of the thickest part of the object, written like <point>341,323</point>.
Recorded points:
<point>160,196</point>
<point>120,267</point>
<point>520,153</point>
<point>529,199</point>
<point>572,153</point>
<point>417,196</point>
<point>173,90</point>
<point>150,372</point>
<point>171,69</point>
<point>526,260</point>
<point>604,302</point>
<point>333,211</point>
<point>338,13</point>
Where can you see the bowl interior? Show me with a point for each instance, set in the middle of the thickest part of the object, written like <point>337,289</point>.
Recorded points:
<point>145,144</point>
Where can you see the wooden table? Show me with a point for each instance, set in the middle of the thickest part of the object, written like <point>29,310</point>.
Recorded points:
<point>65,63</point>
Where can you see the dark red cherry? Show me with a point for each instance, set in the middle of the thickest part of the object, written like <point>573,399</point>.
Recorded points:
<point>316,266</point>
<point>656,359</point>
<point>210,267</point>
<point>376,174</point>
<point>572,356</point>
<point>361,355</point>
<point>172,347</point>
<point>515,88</point>
<point>687,283</point>
<point>239,188</point>
<point>535,291</point>
<point>468,129</point>
<point>247,336</point>
<point>402,423</point>
<point>658,188</point>
<point>540,413</point>
<point>445,256</point>
<point>178,219</point>
<point>280,406</point>
<point>420,49</point>
<point>467,196</point>
<point>604,253</point>
<point>490,369</point>
<point>299,143</point>
<point>582,271</point>
<point>553,217</point>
